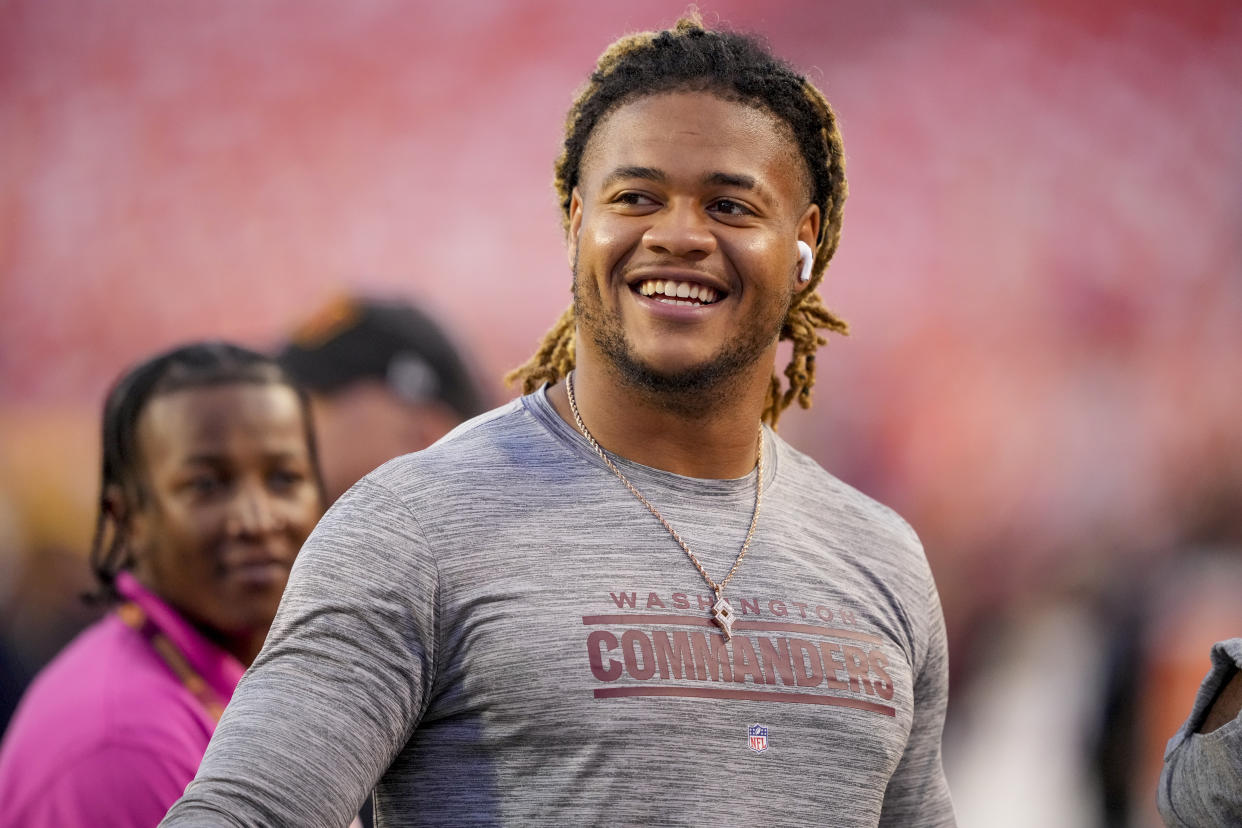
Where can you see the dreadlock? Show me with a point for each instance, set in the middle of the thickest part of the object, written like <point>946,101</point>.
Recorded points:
<point>736,67</point>
<point>196,365</point>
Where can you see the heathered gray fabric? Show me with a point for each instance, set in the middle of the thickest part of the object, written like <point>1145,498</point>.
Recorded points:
<point>466,628</point>
<point>1201,782</point>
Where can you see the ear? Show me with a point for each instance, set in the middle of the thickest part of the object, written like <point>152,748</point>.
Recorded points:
<point>112,503</point>
<point>808,231</point>
<point>127,517</point>
<point>575,224</point>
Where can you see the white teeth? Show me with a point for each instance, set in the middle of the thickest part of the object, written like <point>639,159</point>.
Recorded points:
<point>669,291</point>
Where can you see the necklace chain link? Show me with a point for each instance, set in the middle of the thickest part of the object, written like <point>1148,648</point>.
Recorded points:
<point>717,588</point>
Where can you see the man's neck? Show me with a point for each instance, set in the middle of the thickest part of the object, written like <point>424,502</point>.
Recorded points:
<point>717,443</point>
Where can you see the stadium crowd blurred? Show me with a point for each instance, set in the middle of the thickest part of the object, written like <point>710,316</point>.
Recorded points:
<point>1041,264</point>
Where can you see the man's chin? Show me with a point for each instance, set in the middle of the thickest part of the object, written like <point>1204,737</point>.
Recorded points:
<point>669,373</point>
<point>677,376</point>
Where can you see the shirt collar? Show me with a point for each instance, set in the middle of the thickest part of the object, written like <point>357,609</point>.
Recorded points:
<point>220,669</point>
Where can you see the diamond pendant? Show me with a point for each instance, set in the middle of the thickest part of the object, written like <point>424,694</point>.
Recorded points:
<point>722,614</point>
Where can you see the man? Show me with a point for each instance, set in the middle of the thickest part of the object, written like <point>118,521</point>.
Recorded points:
<point>621,598</point>
<point>384,379</point>
<point>210,486</point>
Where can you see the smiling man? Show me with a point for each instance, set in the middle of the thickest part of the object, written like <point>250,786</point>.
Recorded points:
<point>622,598</point>
<point>679,234</point>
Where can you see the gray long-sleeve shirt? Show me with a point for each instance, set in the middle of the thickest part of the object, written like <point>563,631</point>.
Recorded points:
<point>495,631</point>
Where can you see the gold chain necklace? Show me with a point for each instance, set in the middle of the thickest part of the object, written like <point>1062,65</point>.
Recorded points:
<point>722,610</point>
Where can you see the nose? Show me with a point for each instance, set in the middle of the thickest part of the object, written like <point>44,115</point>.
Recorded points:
<point>251,512</point>
<point>680,229</point>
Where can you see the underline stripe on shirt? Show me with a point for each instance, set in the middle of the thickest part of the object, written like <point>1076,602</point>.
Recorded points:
<point>738,626</point>
<point>742,695</point>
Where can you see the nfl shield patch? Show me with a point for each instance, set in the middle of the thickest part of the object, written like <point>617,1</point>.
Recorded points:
<point>758,738</point>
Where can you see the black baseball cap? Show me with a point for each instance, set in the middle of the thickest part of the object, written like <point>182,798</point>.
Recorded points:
<point>356,338</point>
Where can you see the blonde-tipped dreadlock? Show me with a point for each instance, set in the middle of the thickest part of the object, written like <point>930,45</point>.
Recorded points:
<point>738,67</point>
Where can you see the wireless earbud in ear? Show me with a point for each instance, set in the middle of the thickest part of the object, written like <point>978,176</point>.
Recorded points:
<point>806,259</point>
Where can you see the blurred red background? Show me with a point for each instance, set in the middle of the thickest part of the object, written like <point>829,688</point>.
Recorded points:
<point>1041,262</point>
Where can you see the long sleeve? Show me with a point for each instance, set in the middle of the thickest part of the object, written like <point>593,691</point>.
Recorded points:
<point>340,683</point>
<point>918,794</point>
<point>1201,782</point>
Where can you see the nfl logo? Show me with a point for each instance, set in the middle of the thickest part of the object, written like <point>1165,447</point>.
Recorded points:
<point>758,738</point>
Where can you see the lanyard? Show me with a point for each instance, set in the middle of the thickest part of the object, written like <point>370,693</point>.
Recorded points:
<point>134,618</point>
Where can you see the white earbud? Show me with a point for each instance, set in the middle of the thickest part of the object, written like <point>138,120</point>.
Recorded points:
<point>806,258</point>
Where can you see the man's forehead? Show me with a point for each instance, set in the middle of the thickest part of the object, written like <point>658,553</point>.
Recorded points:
<point>724,130</point>
<point>677,111</point>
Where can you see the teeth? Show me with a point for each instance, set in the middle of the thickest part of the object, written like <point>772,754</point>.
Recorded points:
<point>671,292</point>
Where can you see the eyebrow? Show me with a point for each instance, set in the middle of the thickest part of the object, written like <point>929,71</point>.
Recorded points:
<point>223,458</point>
<point>743,182</point>
<point>203,459</point>
<point>622,173</point>
<point>719,179</point>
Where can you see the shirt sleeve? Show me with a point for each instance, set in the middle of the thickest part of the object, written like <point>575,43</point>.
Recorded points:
<point>918,794</point>
<point>340,683</point>
<point>1201,781</point>
<point>121,785</point>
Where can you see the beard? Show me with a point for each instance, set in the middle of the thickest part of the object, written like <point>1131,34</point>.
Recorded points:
<point>693,391</point>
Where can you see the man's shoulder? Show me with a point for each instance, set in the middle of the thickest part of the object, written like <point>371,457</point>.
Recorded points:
<point>499,423</point>
<point>819,491</point>
<point>820,486</point>
<point>502,441</point>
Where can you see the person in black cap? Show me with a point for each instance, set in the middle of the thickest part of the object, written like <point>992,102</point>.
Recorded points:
<point>385,380</point>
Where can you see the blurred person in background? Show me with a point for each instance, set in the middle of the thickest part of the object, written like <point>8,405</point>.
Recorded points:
<point>210,484</point>
<point>1160,625</point>
<point>1071,722</point>
<point>385,380</point>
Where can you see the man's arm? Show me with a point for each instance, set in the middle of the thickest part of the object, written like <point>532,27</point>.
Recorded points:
<point>918,794</point>
<point>1201,782</point>
<point>340,683</point>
